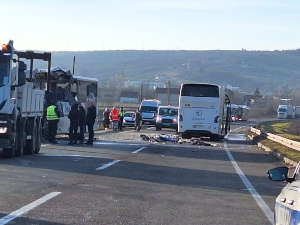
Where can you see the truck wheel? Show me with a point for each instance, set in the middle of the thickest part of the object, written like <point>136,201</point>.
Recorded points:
<point>20,138</point>
<point>31,143</point>
<point>39,136</point>
<point>10,152</point>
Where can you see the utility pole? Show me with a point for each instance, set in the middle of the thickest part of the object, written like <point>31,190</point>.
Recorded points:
<point>73,65</point>
<point>141,94</point>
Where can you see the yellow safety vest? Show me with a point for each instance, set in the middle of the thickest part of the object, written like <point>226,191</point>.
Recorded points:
<point>51,114</point>
<point>121,113</point>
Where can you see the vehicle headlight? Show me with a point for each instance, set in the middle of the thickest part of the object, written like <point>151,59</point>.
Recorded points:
<point>3,130</point>
<point>175,120</point>
<point>159,118</point>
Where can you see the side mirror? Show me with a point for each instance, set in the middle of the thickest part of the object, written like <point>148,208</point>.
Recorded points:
<point>22,74</point>
<point>21,78</point>
<point>278,174</point>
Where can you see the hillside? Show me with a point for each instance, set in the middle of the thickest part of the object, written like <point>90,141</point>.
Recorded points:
<point>267,70</point>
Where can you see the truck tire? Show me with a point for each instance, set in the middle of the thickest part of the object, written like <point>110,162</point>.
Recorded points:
<point>10,152</point>
<point>20,138</point>
<point>39,136</point>
<point>31,143</point>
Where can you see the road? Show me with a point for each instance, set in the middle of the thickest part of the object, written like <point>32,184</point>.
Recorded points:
<point>122,179</point>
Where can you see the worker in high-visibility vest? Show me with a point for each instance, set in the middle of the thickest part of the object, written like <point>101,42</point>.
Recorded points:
<point>121,113</point>
<point>114,116</point>
<point>52,121</point>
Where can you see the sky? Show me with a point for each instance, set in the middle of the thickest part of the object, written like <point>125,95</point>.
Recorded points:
<point>88,25</point>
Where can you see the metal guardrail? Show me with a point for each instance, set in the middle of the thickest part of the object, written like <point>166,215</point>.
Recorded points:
<point>281,140</point>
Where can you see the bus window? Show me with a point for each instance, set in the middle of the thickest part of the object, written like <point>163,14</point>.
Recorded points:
<point>92,88</point>
<point>203,90</point>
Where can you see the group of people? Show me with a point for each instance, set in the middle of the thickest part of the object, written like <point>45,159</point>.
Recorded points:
<point>116,118</point>
<point>79,117</point>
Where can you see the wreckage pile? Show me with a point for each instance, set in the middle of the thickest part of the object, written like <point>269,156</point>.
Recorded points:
<point>175,139</point>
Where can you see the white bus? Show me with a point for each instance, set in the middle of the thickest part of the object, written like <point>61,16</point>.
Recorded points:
<point>202,113</point>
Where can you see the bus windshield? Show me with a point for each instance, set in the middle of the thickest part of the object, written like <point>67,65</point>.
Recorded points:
<point>200,90</point>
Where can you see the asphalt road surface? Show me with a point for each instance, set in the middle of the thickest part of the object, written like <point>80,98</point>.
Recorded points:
<point>124,179</point>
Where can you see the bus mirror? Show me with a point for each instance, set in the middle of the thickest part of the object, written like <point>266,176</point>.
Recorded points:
<point>227,99</point>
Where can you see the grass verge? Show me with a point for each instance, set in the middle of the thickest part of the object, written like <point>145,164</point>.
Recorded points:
<point>281,129</point>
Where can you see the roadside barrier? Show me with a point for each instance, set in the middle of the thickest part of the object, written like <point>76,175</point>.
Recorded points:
<point>284,141</point>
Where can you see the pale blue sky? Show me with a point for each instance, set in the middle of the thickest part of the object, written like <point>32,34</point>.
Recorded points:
<point>77,25</point>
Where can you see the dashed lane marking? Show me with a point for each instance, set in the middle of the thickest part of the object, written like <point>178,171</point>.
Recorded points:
<point>115,161</point>
<point>27,208</point>
<point>138,150</point>
<point>107,165</point>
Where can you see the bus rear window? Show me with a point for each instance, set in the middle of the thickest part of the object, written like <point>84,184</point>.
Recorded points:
<point>200,90</point>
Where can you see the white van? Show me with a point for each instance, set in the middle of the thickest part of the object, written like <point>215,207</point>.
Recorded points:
<point>149,109</point>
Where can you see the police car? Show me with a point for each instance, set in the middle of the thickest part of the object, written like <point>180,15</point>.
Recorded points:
<point>287,207</point>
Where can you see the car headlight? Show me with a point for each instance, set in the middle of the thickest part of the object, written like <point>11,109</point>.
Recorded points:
<point>159,118</point>
<point>175,120</point>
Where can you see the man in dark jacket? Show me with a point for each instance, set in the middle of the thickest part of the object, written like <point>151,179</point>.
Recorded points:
<point>121,113</point>
<point>74,116</point>
<point>138,120</point>
<point>106,115</point>
<point>90,121</point>
<point>81,122</point>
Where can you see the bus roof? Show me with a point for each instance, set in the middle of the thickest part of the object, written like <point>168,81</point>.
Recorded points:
<point>204,84</point>
<point>82,78</point>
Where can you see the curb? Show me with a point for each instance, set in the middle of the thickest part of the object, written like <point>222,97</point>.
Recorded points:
<point>274,153</point>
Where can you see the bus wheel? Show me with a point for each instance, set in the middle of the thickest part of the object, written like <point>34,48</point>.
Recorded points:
<point>185,136</point>
<point>215,137</point>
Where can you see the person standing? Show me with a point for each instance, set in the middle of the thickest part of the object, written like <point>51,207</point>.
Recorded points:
<point>138,120</point>
<point>114,115</point>
<point>90,121</point>
<point>74,116</point>
<point>121,113</point>
<point>52,115</point>
<point>81,121</point>
<point>106,115</point>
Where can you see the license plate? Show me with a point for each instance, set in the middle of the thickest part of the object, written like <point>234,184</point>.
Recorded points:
<point>197,126</point>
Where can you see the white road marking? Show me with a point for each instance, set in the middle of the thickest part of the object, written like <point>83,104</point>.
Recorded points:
<point>27,208</point>
<point>115,161</point>
<point>261,203</point>
<point>138,150</point>
<point>106,165</point>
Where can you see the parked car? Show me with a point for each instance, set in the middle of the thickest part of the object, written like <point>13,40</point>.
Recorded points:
<point>167,117</point>
<point>128,119</point>
<point>287,207</point>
